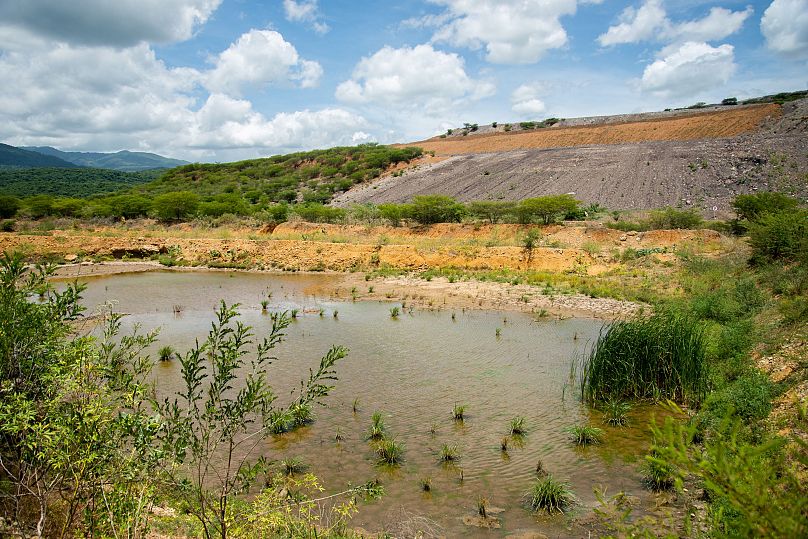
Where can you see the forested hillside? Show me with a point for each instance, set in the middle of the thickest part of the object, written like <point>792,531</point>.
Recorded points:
<point>124,160</point>
<point>11,156</point>
<point>68,182</point>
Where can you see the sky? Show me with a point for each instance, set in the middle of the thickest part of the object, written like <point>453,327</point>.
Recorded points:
<point>222,80</point>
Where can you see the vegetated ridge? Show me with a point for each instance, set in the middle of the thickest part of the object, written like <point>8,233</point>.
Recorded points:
<point>123,160</point>
<point>692,158</point>
<point>69,182</point>
<point>11,156</point>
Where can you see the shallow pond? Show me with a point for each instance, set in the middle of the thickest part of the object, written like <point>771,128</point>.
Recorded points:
<point>414,369</point>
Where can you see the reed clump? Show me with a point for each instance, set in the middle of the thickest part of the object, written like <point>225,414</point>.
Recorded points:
<point>449,453</point>
<point>459,412</point>
<point>166,353</point>
<point>584,434</point>
<point>551,495</point>
<point>377,428</point>
<point>517,427</point>
<point>616,412</point>
<point>647,358</point>
<point>390,451</point>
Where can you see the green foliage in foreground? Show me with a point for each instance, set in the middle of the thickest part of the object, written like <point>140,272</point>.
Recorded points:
<point>84,445</point>
<point>550,495</point>
<point>662,356</point>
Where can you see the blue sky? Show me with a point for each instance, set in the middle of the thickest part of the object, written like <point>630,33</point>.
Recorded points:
<point>218,80</point>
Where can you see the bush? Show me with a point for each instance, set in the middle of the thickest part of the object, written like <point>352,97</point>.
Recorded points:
<point>492,211</point>
<point>129,206</point>
<point>780,236</point>
<point>7,225</point>
<point>753,207</point>
<point>8,206</point>
<point>393,213</point>
<point>428,209</point>
<point>547,209</point>
<point>318,213</point>
<point>748,398</point>
<point>671,218</point>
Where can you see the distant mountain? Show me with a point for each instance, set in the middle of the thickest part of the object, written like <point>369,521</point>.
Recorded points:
<point>11,156</point>
<point>124,160</point>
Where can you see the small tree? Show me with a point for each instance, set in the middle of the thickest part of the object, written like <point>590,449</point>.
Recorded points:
<point>753,207</point>
<point>428,209</point>
<point>8,206</point>
<point>492,211</point>
<point>212,427</point>
<point>547,209</point>
<point>176,205</point>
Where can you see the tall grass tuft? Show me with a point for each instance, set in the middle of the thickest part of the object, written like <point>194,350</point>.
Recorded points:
<point>449,453</point>
<point>584,435</point>
<point>459,412</point>
<point>377,427</point>
<point>616,412</point>
<point>517,427</point>
<point>658,357</point>
<point>390,451</point>
<point>551,495</point>
<point>166,353</point>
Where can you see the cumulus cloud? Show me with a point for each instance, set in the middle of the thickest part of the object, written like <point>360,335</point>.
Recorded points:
<point>107,98</point>
<point>650,22</point>
<point>691,68</point>
<point>785,27</point>
<point>525,100</point>
<point>511,31</point>
<point>260,58</point>
<point>305,11</point>
<point>118,23</point>
<point>419,77</point>
<point>636,24</point>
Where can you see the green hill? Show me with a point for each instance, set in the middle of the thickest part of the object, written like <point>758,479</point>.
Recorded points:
<point>11,156</point>
<point>313,176</point>
<point>124,160</point>
<point>68,182</point>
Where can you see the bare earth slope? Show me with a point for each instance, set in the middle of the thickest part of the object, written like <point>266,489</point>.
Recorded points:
<point>699,160</point>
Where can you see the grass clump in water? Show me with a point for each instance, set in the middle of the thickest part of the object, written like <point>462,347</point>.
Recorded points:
<point>390,451</point>
<point>449,453</point>
<point>584,434</point>
<point>516,426</point>
<point>658,357</point>
<point>657,474</point>
<point>616,412</point>
<point>292,466</point>
<point>166,353</point>
<point>458,412</point>
<point>395,312</point>
<point>550,495</point>
<point>377,427</point>
<point>426,484</point>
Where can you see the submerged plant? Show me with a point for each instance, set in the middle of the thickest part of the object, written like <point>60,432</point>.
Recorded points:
<point>449,453</point>
<point>166,353</point>
<point>616,412</point>
<point>516,426</point>
<point>355,405</point>
<point>390,451</point>
<point>503,444</point>
<point>426,484</point>
<point>377,427</point>
<point>458,412</point>
<point>584,434</point>
<point>550,495</point>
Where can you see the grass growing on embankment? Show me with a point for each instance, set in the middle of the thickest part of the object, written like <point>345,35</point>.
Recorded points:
<point>742,445</point>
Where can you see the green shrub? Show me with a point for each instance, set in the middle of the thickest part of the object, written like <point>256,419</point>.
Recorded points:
<point>492,211</point>
<point>8,206</point>
<point>550,495</point>
<point>547,209</point>
<point>753,207</point>
<point>428,209</point>
<point>671,218</point>
<point>175,206</point>
<point>317,213</point>
<point>780,236</point>
<point>748,397</point>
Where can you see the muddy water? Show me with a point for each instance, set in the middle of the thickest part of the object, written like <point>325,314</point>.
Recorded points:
<point>414,369</point>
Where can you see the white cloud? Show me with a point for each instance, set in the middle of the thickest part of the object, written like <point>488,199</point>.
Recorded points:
<point>636,24</point>
<point>511,31</point>
<point>107,99</point>
<point>651,23</point>
<point>118,23</point>
<point>305,11</point>
<point>785,27</point>
<point>692,68</point>
<point>418,77</point>
<point>260,58</point>
<point>525,100</point>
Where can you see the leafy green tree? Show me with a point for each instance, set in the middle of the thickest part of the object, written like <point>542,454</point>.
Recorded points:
<point>492,211</point>
<point>780,236</point>
<point>76,433</point>
<point>176,205</point>
<point>546,209</point>
<point>393,213</point>
<point>39,206</point>
<point>428,209</point>
<point>671,218</point>
<point>753,207</point>
<point>8,206</point>
<point>129,206</point>
<point>212,426</point>
<point>67,207</point>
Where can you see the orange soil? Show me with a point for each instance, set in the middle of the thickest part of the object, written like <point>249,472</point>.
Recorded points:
<point>719,124</point>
